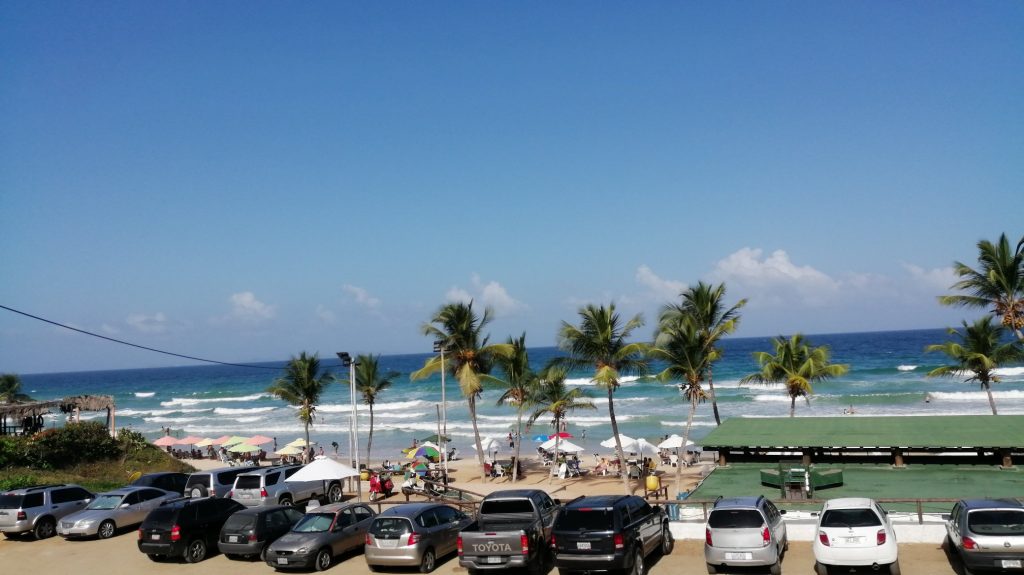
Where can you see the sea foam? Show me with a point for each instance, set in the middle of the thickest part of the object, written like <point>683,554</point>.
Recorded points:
<point>190,401</point>
<point>145,393</point>
<point>906,367</point>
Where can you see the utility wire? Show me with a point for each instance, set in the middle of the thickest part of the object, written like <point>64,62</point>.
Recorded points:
<point>135,344</point>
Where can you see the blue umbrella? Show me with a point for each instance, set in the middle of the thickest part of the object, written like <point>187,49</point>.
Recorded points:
<point>540,438</point>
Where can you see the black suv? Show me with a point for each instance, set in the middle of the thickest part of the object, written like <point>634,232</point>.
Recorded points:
<point>185,528</point>
<point>609,533</point>
<point>250,531</point>
<point>168,481</point>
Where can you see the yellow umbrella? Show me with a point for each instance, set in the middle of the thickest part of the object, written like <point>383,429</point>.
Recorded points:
<point>205,443</point>
<point>300,442</point>
<point>243,448</point>
<point>289,450</point>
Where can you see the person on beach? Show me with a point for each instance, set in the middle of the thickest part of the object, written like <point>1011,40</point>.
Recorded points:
<point>511,441</point>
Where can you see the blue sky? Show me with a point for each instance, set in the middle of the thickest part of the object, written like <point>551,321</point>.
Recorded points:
<point>244,181</point>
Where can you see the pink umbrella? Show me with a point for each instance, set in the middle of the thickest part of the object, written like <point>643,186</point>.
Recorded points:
<point>259,440</point>
<point>220,439</point>
<point>190,440</point>
<point>166,441</point>
<point>561,434</point>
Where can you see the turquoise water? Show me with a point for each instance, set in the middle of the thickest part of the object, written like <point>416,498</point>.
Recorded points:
<point>887,377</point>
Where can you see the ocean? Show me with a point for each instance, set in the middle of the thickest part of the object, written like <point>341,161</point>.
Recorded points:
<point>886,377</point>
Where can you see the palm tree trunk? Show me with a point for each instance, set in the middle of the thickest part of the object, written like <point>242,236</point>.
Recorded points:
<point>991,400</point>
<point>686,437</point>
<point>714,402</point>
<point>792,406</point>
<point>554,459</point>
<point>471,400</point>
<point>519,441</point>
<point>618,442</point>
<point>305,452</point>
<point>369,440</point>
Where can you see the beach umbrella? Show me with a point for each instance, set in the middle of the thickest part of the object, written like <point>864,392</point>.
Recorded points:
<point>166,441</point>
<point>566,447</point>
<point>610,442</point>
<point>289,450</point>
<point>323,469</point>
<point>547,445</point>
<point>190,440</point>
<point>488,444</point>
<point>234,440</point>
<point>259,440</point>
<point>540,437</point>
<point>220,440</point>
<point>423,451</point>
<point>673,442</point>
<point>300,442</point>
<point>435,438</point>
<point>643,447</point>
<point>206,442</point>
<point>429,444</point>
<point>243,448</point>
<point>561,434</point>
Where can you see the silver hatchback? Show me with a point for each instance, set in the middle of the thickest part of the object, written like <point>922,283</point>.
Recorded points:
<point>745,532</point>
<point>987,534</point>
<point>413,535</point>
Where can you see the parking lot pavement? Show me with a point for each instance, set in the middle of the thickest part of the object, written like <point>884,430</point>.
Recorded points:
<point>120,555</point>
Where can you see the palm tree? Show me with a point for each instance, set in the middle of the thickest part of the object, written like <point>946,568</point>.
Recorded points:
<point>997,283</point>
<point>600,342</point>
<point>552,397</point>
<point>982,348</point>
<point>685,349</point>
<point>10,389</point>
<point>469,357</point>
<point>520,381</point>
<point>703,304</point>
<point>370,382</point>
<point>795,364</point>
<point>302,385</point>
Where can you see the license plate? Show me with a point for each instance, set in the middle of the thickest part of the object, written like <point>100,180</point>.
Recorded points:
<point>492,559</point>
<point>583,544</point>
<point>246,495</point>
<point>232,538</point>
<point>282,561</point>
<point>739,556</point>
<point>853,540</point>
<point>155,537</point>
<point>1011,563</point>
<point>388,542</point>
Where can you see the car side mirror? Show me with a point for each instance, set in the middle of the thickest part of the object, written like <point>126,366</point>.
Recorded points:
<point>946,516</point>
<point>124,506</point>
<point>814,513</point>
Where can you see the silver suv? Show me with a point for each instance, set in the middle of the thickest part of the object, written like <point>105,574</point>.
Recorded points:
<point>267,486</point>
<point>213,483</point>
<point>37,509</point>
<point>745,531</point>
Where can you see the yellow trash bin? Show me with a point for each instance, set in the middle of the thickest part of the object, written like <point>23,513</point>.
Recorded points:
<point>653,483</point>
<point>364,475</point>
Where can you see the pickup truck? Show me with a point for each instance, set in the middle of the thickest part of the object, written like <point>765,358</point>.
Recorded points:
<point>510,532</point>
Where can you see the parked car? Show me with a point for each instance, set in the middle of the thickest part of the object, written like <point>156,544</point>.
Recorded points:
<point>249,532</point>
<point>267,486</point>
<point>37,509</point>
<point>987,534</point>
<point>609,533</point>
<point>853,532</point>
<point>413,535</point>
<point>510,532</point>
<point>213,483</point>
<point>745,532</point>
<point>168,481</point>
<point>185,527</point>
<point>111,511</point>
<point>320,536</point>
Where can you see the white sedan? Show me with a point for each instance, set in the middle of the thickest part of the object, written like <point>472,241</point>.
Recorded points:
<point>854,531</point>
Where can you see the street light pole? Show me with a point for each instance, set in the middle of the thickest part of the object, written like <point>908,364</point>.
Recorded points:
<point>439,346</point>
<point>346,361</point>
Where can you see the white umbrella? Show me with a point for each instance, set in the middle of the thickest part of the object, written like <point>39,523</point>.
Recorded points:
<point>610,442</point>
<point>323,469</point>
<point>488,444</point>
<point>430,444</point>
<point>643,447</point>
<point>673,442</point>
<point>547,445</point>
<point>565,447</point>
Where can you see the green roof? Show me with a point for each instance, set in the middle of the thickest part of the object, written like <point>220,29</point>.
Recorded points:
<point>984,431</point>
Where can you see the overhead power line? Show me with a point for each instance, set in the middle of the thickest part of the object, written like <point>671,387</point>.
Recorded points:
<point>128,343</point>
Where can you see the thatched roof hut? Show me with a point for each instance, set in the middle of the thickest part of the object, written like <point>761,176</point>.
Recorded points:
<point>17,413</point>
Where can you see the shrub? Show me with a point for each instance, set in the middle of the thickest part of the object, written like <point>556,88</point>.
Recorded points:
<point>18,481</point>
<point>14,451</point>
<point>73,444</point>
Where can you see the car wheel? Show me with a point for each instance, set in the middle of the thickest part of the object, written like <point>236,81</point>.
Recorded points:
<point>427,562</point>
<point>196,551</point>
<point>155,558</point>
<point>263,554</point>
<point>712,569</point>
<point>334,493</point>
<point>106,530</point>
<point>323,560</point>
<point>638,563</point>
<point>775,568</point>
<point>197,492</point>
<point>667,543</point>
<point>820,569</point>
<point>894,568</point>
<point>285,500</point>
<point>45,527</point>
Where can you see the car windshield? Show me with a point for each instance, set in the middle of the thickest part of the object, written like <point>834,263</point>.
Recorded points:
<point>507,506</point>
<point>850,518</point>
<point>10,501</point>
<point>314,522</point>
<point>390,527</point>
<point>247,482</point>
<point>106,502</point>
<point>586,520</point>
<point>240,522</point>
<point>735,519</point>
<point>996,522</point>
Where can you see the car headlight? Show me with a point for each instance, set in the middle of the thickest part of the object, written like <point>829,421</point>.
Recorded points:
<point>302,549</point>
<point>84,523</point>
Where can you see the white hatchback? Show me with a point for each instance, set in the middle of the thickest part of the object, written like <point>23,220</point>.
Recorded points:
<point>854,531</point>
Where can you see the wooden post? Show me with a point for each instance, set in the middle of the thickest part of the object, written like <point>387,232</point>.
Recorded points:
<point>806,459</point>
<point>897,458</point>
<point>1007,458</point>
<point>721,458</point>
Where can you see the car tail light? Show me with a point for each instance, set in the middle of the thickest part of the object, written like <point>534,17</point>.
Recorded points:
<point>766,537</point>
<point>880,537</point>
<point>368,540</point>
<point>263,492</point>
<point>823,537</point>
<point>524,541</point>
<point>553,543</point>
<point>230,494</point>
<point>620,543</point>
<point>458,545</point>
<point>707,537</point>
<point>970,543</point>
<point>252,536</point>
<point>140,534</point>
<point>175,533</point>
<point>412,539</point>
<point>22,516</point>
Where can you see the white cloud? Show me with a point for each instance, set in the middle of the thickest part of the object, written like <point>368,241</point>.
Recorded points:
<point>935,280</point>
<point>361,296</point>
<point>775,279</point>
<point>156,323</point>
<point>492,294</point>
<point>661,289</point>
<point>245,307</point>
<point>325,315</point>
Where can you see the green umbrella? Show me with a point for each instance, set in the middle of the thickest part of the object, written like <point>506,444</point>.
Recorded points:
<point>233,440</point>
<point>436,439</point>
<point>243,448</point>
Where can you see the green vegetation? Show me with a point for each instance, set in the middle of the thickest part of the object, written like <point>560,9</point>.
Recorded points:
<point>998,283</point>
<point>795,364</point>
<point>370,382</point>
<point>520,382</point>
<point>10,389</point>
<point>552,397</point>
<point>981,349</point>
<point>302,386</point>
<point>82,453</point>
